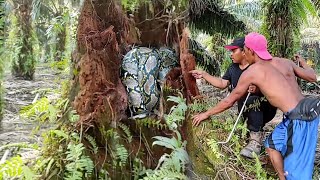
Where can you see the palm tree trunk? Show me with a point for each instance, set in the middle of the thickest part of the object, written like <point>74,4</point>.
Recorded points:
<point>23,67</point>
<point>61,44</point>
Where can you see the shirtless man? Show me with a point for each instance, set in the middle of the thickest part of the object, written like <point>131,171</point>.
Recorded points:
<point>256,117</point>
<point>292,144</point>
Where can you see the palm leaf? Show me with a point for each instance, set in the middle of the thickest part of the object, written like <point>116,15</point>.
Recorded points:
<point>209,16</point>
<point>203,58</point>
<point>42,9</point>
<point>250,13</point>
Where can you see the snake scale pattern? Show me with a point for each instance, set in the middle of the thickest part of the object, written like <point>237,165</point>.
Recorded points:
<point>142,71</point>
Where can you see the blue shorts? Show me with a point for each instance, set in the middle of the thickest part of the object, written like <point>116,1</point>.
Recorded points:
<point>296,140</point>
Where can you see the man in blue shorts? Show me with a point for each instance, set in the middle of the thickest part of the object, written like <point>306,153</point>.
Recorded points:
<point>292,144</point>
<point>257,117</point>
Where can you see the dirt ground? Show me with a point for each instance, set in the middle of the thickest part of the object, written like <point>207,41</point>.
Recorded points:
<point>18,93</point>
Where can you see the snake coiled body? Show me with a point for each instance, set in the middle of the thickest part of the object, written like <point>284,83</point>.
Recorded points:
<point>142,71</point>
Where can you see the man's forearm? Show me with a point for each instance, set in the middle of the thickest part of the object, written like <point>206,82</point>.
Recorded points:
<point>220,107</point>
<point>310,71</point>
<point>214,81</point>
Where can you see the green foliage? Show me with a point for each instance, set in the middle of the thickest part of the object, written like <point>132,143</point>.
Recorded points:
<point>56,22</point>
<point>127,132</point>
<point>164,174</point>
<point>200,105</point>
<point>151,123</point>
<point>132,5</point>
<point>93,143</point>
<point>138,168</point>
<point>121,155</point>
<point>225,159</point>
<point>176,6</point>
<point>170,166</point>
<point>15,168</point>
<point>62,65</point>
<point>21,40</point>
<point>250,13</point>
<point>173,165</point>
<point>203,58</point>
<point>177,112</point>
<point>36,110</point>
<point>52,110</point>
<point>79,166</point>
<point>211,17</point>
<point>63,155</point>
<point>282,24</point>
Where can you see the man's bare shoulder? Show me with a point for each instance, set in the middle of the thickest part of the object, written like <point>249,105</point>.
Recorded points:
<point>283,61</point>
<point>256,66</point>
<point>253,69</point>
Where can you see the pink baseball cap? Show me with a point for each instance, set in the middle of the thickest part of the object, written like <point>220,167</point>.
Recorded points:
<point>258,43</point>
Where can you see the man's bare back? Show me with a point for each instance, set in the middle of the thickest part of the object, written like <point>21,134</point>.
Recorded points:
<point>279,87</point>
<point>290,70</point>
<point>285,67</point>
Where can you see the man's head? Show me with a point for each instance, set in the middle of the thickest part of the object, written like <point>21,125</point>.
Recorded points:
<point>256,45</point>
<point>236,48</point>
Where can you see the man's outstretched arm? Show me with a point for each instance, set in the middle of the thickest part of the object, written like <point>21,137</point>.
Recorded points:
<point>305,71</point>
<point>226,103</point>
<point>214,81</point>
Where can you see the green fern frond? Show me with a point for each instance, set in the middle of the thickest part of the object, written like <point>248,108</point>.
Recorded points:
<point>151,123</point>
<point>177,112</point>
<point>122,154</point>
<point>36,110</point>
<point>79,166</point>
<point>12,168</point>
<point>165,174</point>
<point>126,130</point>
<point>92,142</point>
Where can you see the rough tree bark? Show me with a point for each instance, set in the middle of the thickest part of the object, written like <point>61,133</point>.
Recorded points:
<point>101,98</point>
<point>97,93</point>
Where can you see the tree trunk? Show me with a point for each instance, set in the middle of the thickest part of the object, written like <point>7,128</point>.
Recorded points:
<point>2,16</point>
<point>61,44</point>
<point>23,66</point>
<point>98,95</point>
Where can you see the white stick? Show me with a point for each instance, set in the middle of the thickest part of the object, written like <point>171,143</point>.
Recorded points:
<point>35,98</point>
<point>4,157</point>
<point>235,124</point>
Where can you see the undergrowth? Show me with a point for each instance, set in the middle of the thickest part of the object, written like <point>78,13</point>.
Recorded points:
<point>70,153</point>
<point>225,159</point>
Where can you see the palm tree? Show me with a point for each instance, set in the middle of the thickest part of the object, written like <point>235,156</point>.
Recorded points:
<point>282,23</point>
<point>2,19</point>
<point>53,36</point>
<point>104,35</point>
<point>24,65</point>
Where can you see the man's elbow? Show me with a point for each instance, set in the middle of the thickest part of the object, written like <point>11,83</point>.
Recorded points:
<point>221,87</point>
<point>228,103</point>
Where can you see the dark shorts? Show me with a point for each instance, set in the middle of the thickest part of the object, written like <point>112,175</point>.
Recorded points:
<point>258,112</point>
<point>296,140</point>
